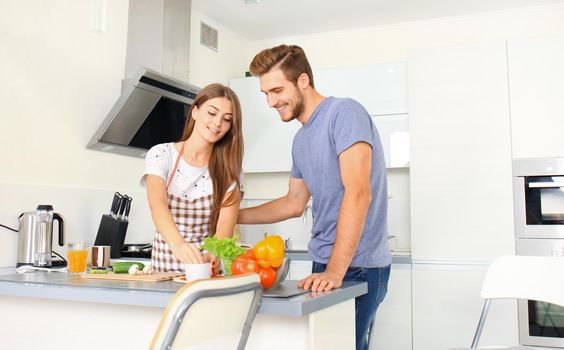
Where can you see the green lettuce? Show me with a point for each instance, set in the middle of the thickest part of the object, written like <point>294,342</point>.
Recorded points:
<point>226,248</point>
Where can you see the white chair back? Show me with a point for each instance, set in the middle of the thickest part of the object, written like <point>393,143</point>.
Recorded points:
<point>538,278</point>
<point>210,313</point>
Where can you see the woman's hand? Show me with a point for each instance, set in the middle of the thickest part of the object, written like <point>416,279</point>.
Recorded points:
<point>187,253</point>
<point>215,261</point>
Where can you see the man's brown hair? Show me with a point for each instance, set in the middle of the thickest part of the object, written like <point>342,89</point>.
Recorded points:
<point>291,59</point>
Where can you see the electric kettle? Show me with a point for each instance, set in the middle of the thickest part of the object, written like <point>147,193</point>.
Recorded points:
<point>35,236</point>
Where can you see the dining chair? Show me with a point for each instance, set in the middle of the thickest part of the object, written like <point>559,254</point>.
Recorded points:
<point>214,313</point>
<point>537,278</point>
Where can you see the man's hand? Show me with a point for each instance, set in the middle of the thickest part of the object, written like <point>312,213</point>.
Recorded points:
<point>187,253</point>
<point>321,282</point>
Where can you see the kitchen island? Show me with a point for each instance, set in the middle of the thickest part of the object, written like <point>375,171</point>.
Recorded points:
<point>56,310</point>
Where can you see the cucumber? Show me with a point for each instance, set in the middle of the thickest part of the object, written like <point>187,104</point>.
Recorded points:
<point>123,266</point>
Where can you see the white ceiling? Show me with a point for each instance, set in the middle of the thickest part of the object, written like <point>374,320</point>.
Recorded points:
<point>280,18</point>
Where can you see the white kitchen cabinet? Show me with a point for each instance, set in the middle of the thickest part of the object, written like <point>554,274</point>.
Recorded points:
<point>381,88</point>
<point>268,140</point>
<point>394,135</point>
<point>392,327</point>
<point>299,269</point>
<point>295,231</point>
<point>460,153</point>
<point>536,86</point>
<point>447,307</point>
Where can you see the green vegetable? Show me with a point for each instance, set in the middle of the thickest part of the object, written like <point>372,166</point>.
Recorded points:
<point>100,272</point>
<point>123,266</point>
<point>226,248</point>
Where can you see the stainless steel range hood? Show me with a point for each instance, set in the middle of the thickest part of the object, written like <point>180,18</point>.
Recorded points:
<point>151,110</point>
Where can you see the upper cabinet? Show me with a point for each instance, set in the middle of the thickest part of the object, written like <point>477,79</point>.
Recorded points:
<point>536,88</point>
<point>380,88</point>
<point>268,140</point>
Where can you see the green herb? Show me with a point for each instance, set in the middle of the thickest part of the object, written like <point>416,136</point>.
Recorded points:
<point>226,248</point>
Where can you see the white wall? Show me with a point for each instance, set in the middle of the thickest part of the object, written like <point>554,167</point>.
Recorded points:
<point>390,43</point>
<point>144,36</point>
<point>208,66</point>
<point>59,80</point>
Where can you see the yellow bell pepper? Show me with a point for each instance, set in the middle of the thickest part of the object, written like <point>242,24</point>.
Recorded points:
<point>270,251</point>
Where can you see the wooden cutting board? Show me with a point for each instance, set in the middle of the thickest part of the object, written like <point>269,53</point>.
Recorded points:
<point>154,277</point>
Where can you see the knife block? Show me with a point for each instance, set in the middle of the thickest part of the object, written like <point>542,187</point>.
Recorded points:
<point>112,232</point>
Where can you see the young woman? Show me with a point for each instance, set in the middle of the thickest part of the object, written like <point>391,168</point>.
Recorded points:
<point>193,186</point>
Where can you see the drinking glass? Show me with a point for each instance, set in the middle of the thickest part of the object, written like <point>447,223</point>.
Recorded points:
<point>77,256</point>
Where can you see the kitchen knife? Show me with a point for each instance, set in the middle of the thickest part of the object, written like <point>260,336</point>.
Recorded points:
<point>115,204</point>
<point>122,202</point>
<point>127,208</point>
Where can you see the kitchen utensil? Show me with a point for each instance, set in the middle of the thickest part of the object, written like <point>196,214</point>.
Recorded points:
<point>112,232</point>
<point>115,204</point>
<point>101,256</point>
<point>284,290</point>
<point>154,277</point>
<point>127,208</point>
<point>122,205</point>
<point>113,228</point>
<point>282,273</point>
<point>35,236</point>
<point>142,250</point>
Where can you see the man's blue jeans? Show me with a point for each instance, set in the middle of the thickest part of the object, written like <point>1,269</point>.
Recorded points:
<point>367,304</point>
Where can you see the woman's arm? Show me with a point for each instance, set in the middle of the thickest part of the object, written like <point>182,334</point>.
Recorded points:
<point>228,215</point>
<point>164,222</point>
<point>226,223</point>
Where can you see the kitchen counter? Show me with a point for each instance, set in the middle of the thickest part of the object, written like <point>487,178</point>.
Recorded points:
<point>403,257</point>
<point>118,308</point>
<point>61,286</point>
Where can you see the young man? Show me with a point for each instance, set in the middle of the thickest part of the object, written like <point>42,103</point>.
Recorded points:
<point>338,160</point>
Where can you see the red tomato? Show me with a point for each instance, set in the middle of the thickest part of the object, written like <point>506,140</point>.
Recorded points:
<point>267,277</point>
<point>243,264</point>
<point>250,253</point>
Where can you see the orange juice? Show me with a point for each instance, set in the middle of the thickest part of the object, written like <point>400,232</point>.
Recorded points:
<point>77,260</point>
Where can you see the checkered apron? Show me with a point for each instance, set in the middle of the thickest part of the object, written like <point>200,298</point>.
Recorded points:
<point>191,217</point>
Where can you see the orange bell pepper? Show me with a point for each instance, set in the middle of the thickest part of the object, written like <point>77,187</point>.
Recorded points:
<point>270,251</point>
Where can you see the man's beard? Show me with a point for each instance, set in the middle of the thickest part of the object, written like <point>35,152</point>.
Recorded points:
<point>299,107</point>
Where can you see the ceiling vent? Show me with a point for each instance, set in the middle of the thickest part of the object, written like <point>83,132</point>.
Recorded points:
<point>208,36</point>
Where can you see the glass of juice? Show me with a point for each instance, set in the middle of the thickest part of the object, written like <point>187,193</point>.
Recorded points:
<point>77,256</point>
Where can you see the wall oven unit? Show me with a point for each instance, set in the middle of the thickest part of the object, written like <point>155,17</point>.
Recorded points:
<point>538,187</point>
<point>541,324</point>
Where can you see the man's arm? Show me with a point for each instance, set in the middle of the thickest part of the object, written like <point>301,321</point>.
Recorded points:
<point>290,206</point>
<point>355,165</point>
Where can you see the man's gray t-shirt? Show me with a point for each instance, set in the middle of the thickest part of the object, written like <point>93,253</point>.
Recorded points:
<point>336,125</point>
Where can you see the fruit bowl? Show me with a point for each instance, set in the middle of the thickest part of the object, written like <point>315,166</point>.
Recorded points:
<point>282,273</point>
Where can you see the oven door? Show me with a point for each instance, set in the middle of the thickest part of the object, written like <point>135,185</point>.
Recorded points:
<point>541,324</point>
<point>539,206</point>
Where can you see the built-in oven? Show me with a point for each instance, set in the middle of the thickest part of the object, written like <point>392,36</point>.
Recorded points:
<point>538,187</point>
<point>541,324</point>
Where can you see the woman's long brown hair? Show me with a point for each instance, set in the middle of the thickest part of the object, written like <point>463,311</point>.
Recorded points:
<point>225,164</point>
